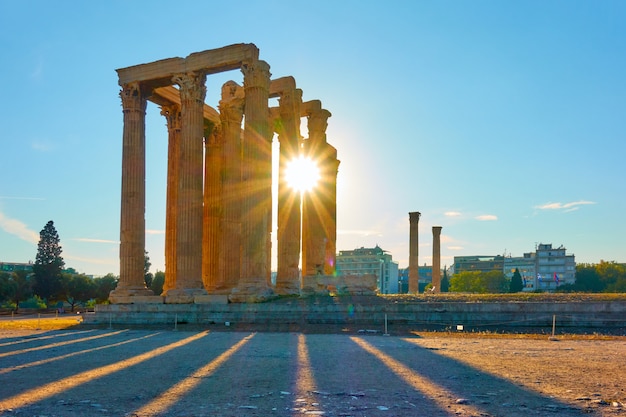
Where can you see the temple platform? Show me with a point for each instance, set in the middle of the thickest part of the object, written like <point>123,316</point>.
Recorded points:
<point>376,313</point>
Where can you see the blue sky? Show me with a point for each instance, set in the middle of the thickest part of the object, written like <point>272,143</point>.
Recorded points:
<point>502,122</point>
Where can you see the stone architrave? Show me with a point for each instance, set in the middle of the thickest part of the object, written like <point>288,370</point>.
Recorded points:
<point>231,114</point>
<point>131,285</point>
<point>289,199</point>
<point>211,234</point>
<point>414,218</point>
<point>172,115</point>
<point>257,187</point>
<point>436,258</point>
<point>319,207</point>
<point>189,212</point>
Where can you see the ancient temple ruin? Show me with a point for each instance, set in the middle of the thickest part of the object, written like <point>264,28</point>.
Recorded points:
<point>219,177</point>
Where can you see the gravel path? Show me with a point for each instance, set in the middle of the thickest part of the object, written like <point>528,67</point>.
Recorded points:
<point>180,373</point>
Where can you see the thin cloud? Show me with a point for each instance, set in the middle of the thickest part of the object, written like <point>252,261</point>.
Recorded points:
<point>452,214</point>
<point>566,207</point>
<point>41,146</point>
<point>89,240</point>
<point>97,261</point>
<point>487,217</point>
<point>455,247</point>
<point>19,229</point>
<point>358,232</point>
<point>6,197</point>
<point>155,232</point>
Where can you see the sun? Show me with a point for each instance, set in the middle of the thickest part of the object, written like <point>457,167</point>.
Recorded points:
<point>302,174</point>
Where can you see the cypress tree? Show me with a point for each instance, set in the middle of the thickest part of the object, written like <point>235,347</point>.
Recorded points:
<point>48,264</point>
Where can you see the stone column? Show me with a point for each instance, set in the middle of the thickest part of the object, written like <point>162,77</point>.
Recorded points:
<point>414,218</point>
<point>329,180</point>
<point>231,115</point>
<point>436,259</point>
<point>132,223</point>
<point>289,200</point>
<point>212,208</point>
<point>189,204</point>
<point>257,187</point>
<point>319,205</point>
<point>172,115</point>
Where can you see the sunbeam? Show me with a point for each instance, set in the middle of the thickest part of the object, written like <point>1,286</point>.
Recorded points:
<point>435,392</point>
<point>59,344</point>
<point>39,393</point>
<point>69,355</point>
<point>172,395</point>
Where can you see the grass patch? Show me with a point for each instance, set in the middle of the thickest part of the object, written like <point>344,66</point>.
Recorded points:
<point>57,323</point>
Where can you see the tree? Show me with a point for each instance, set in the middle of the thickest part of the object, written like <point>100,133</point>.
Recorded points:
<point>588,279</point>
<point>48,264</point>
<point>79,289</point>
<point>15,287</point>
<point>517,284</point>
<point>157,282</point>
<point>479,282</point>
<point>445,282</point>
<point>104,286</point>
<point>147,275</point>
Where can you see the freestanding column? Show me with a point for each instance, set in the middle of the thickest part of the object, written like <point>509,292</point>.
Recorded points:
<point>289,200</point>
<point>414,219</point>
<point>436,259</point>
<point>132,222</point>
<point>231,115</point>
<point>212,209</point>
<point>257,186</point>
<point>319,205</point>
<point>189,205</point>
<point>172,114</point>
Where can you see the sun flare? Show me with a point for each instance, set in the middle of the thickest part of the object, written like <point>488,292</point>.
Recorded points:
<point>302,174</point>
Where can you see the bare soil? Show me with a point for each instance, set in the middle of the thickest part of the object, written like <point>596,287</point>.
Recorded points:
<point>162,372</point>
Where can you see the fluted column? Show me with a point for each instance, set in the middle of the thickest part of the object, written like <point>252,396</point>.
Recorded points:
<point>212,208</point>
<point>414,219</point>
<point>132,221</point>
<point>289,199</point>
<point>189,204</point>
<point>231,115</point>
<point>257,186</point>
<point>437,258</point>
<point>319,204</point>
<point>172,115</point>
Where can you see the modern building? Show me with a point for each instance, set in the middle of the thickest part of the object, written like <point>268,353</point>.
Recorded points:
<point>365,261</point>
<point>425,277</point>
<point>527,266</point>
<point>554,267</point>
<point>15,266</point>
<point>543,270</point>
<point>478,263</point>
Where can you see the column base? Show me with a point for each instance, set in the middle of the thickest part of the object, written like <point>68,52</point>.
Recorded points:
<point>183,296</point>
<point>282,289</point>
<point>251,294</point>
<point>133,295</point>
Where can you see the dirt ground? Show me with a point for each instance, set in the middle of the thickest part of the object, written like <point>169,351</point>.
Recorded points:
<point>123,372</point>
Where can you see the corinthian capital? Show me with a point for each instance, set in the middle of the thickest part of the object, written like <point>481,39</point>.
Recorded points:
<point>132,97</point>
<point>256,74</point>
<point>192,86</point>
<point>172,115</point>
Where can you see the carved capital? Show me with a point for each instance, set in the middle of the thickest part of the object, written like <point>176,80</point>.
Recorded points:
<point>172,114</point>
<point>192,86</point>
<point>256,74</point>
<point>414,216</point>
<point>318,122</point>
<point>231,105</point>
<point>132,97</point>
